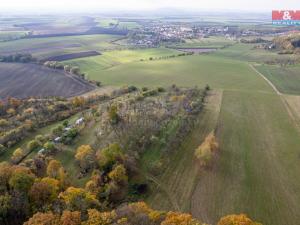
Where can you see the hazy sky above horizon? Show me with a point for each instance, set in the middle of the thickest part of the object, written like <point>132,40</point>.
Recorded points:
<point>98,5</point>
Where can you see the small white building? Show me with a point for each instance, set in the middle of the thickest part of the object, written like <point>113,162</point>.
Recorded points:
<point>67,129</point>
<point>41,151</point>
<point>79,121</point>
<point>57,139</point>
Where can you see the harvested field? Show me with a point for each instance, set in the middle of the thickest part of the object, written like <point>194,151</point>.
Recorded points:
<point>25,80</point>
<point>75,55</point>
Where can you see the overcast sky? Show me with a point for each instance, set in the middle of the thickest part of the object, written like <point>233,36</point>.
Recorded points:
<point>98,5</point>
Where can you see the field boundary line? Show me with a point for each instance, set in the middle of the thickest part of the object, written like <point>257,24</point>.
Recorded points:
<point>266,79</point>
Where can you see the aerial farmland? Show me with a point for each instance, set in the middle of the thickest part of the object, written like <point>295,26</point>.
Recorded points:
<point>137,117</point>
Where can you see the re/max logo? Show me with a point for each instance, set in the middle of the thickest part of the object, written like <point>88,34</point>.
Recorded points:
<point>286,17</point>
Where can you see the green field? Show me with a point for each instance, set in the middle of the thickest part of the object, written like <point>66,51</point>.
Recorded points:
<point>11,35</point>
<point>103,22</point>
<point>185,71</point>
<point>210,42</point>
<point>259,160</point>
<point>248,52</point>
<point>121,67</point>
<point>95,66</point>
<point>128,25</point>
<point>286,79</point>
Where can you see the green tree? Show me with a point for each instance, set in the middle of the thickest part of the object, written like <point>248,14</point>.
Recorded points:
<point>21,180</point>
<point>5,205</point>
<point>107,157</point>
<point>32,145</point>
<point>49,145</point>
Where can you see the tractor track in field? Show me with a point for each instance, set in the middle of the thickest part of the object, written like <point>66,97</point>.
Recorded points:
<point>162,187</point>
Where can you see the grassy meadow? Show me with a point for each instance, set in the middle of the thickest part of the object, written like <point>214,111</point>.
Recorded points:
<point>11,35</point>
<point>94,66</point>
<point>185,71</point>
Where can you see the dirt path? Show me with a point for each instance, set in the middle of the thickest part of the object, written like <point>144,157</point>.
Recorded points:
<point>290,108</point>
<point>266,79</point>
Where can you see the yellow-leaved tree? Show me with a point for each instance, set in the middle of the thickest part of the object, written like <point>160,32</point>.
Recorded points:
<point>205,152</point>
<point>237,220</point>
<point>85,156</point>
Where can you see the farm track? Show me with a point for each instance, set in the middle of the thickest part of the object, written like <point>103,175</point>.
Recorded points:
<point>290,109</point>
<point>266,79</point>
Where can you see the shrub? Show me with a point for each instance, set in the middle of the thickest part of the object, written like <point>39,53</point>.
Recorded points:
<point>75,70</point>
<point>40,139</point>
<point>132,88</point>
<point>2,149</point>
<point>113,114</point>
<point>3,123</point>
<point>69,136</point>
<point>161,89</point>
<point>150,93</point>
<point>107,157</point>
<point>17,155</point>
<point>50,146</point>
